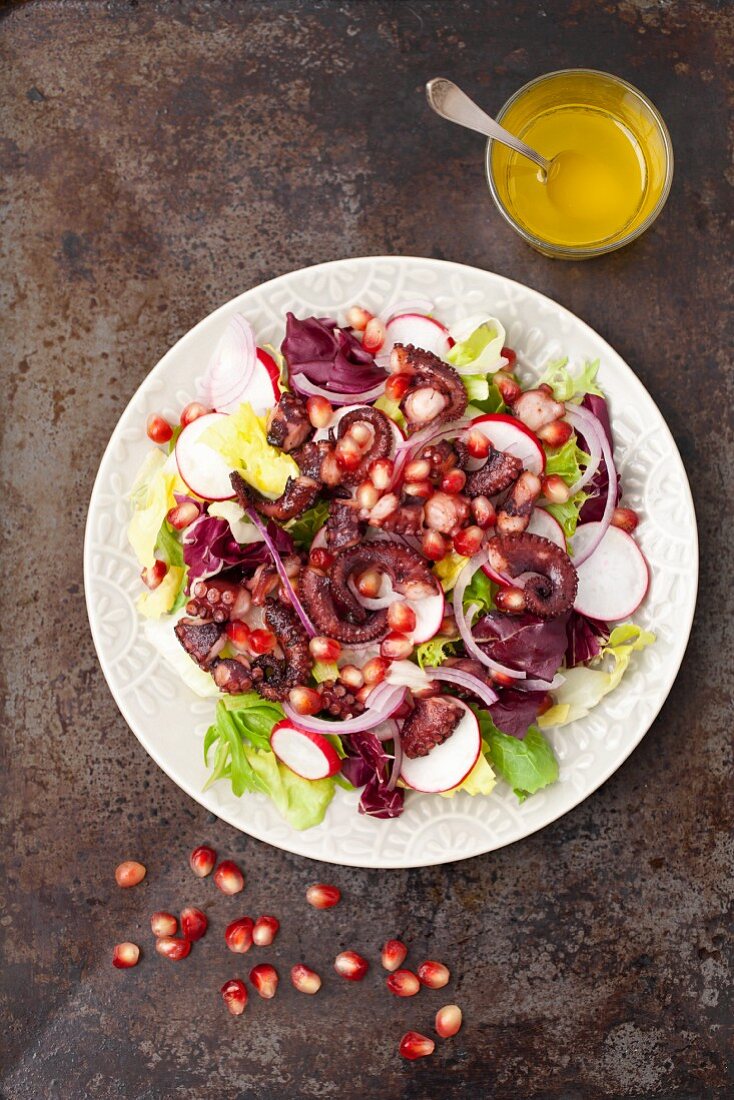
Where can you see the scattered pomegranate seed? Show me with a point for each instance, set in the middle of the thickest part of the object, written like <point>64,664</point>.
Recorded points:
<point>194,923</point>
<point>554,488</point>
<point>555,434</point>
<point>401,616</point>
<point>509,389</point>
<point>484,512</point>
<point>374,335</point>
<point>468,541</point>
<point>158,429</point>
<point>324,649</point>
<point>403,983</point>
<point>265,931</point>
<point>357,318</point>
<point>229,878</point>
<point>202,860</point>
<point>510,599</point>
<point>163,924</point>
<point>417,470</point>
<point>454,481</point>
<point>320,558</point>
<point>448,1021</point>
<point>422,489</point>
<point>384,509</point>
<point>374,671</point>
<point>192,412</point>
<point>172,947</point>
<point>433,974</point>
<point>234,993</point>
<point>129,873</point>
<point>152,575</point>
<point>125,955</point>
<point>368,583</point>
<point>434,546</point>
<point>350,965</point>
<point>261,641</point>
<point>413,1045</point>
<point>396,647</point>
<point>183,514</point>
<point>510,356</point>
<point>477,444</point>
<point>322,896</point>
<point>393,955</point>
<point>382,471</point>
<point>304,700</point>
<point>304,979</point>
<point>397,386</point>
<point>239,935</point>
<point>319,411</point>
<point>347,454</point>
<point>264,978</point>
<point>625,519</point>
<point>351,677</point>
<point>367,495</point>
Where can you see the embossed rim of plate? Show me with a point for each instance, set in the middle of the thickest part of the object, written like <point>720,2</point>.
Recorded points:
<point>443,816</point>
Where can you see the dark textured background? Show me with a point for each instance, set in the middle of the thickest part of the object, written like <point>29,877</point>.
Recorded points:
<point>160,158</point>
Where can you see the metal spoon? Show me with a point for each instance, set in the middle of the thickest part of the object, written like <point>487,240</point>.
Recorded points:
<point>451,103</point>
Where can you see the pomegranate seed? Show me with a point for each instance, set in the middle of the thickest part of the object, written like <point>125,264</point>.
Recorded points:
<point>163,924</point>
<point>172,947</point>
<point>265,931</point>
<point>448,626</point>
<point>158,429</point>
<point>383,509</point>
<point>347,454</point>
<point>625,519</point>
<point>192,412</point>
<point>403,983</point>
<point>202,860</point>
<point>434,546</point>
<point>477,444</point>
<point>304,700</point>
<point>125,955</point>
<point>510,599</point>
<point>382,472</point>
<point>183,514</point>
<point>152,575</point>
<point>324,649</point>
<point>448,1021</point>
<point>397,386</point>
<point>331,471</point>
<point>264,978</point>
<point>374,335</point>
<point>238,935</point>
<point>193,923</point>
<point>321,558</point>
<point>484,512</point>
<point>413,1045</point>
<point>362,434</point>
<point>351,677</point>
<point>546,704</point>
<point>129,873</point>
<point>358,318</point>
<point>363,694</point>
<point>393,955</point>
<point>322,896</point>
<point>396,647</point>
<point>501,678</point>
<point>374,671</point>
<point>350,965</point>
<point>304,979</point>
<point>433,974</point>
<point>368,583</point>
<point>422,489</point>
<point>418,470</point>
<point>555,434</point>
<point>229,878</point>
<point>510,356</point>
<point>554,488</point>
<point>401,617</point>
<point>367,495</point>
<point>261,641</point>
<point>454,481</point>
<point>468,540</point>
<point>320,412</point>
<point>238,634</point>
<point>234,993</point>
<point>509,389</point>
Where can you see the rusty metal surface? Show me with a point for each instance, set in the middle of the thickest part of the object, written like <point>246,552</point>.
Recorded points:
<point>159,158</point>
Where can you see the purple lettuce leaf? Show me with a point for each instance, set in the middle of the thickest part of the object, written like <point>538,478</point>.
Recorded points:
<point>368,766</point>
<point>585,637</point>
<point>328,356</point>
<point>524,642</point>
<point>515,711</point>
<point>209,547</point>
<point>593,508</point>
<point>377,801</point>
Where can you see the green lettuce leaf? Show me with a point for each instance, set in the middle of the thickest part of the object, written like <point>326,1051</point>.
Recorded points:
<point>567,514</point>
<point>391,408</point>
<point>447,570</point>
<point>491,402</point>
<point>303,530</point>
<point>571,387</point>
<point>480,591</point>
<point>477,345</point>
<point>325,670</point>
<point>241,440</point>
<point>433,653</point>
<point>528,765</point>
<point>567,461</point>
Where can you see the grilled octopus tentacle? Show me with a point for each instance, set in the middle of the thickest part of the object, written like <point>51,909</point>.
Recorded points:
<point>430,723</point>
<point>514,515</point>
<point>299,494</point>
<point>288,423</point>
<point>232,675</point>
<point>218,599</point>
<point>273,677</point>
<point>202,641</point>
<point>435,394</point>
<point>497,474</point>
<point>380,446</point>
<point>549,591</point>
<point>344,526</point>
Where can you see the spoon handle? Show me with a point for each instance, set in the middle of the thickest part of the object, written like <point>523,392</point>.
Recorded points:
<point>451,103</point>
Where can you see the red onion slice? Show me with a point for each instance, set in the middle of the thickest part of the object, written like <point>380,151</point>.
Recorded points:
<point>466,680</point>
<point>285,580</point>
<point>230,369</point>
<point>388,702</point>
<point>592,433</point>
<point>397,745</point>
<point>587,422</point>
<point>303,385</point>
<point>462,583</point>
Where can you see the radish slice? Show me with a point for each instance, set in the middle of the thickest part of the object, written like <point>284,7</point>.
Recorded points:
<point>508,434</point>
<point>542,523</point>
<point>309,755</point>
<point>422,332</point>
<point>446,765</point>
<point>204,471</point>
<point>613,581</point>
<point>323,433</point>
<point>429,613</point>
<point>262,390</point>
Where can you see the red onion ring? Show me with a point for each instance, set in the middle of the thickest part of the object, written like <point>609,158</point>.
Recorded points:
<point>303,385</point>
<point>592,434</point>
<point>380,706</point>
<point>285,580</point>
<point>397,747</point>
<point>462,583</point>
<point>466,680</point>
<point>586,421</point>
<point>223,383</point>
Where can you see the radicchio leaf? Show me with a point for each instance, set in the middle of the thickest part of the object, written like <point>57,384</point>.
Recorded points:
<point>209,547</point>
<point>593,508</point>
<point>586,638</point>
<point>369,767</point>
<point>329,356</point>
<point>524,642</point>
<point>515,711</point>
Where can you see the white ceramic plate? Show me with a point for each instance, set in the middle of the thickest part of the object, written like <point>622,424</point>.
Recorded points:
<point>170,721</point>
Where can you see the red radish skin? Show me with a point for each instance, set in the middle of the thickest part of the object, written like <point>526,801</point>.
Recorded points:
<point>420,331</point>
<point>446,765</point>
<point>205,472</point>
<point>613,582</point>
<point>263,390</point>
<point>310,755</point>
<point>509,434</point>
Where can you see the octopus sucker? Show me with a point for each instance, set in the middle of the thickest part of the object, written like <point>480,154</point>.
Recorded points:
<point>201,640</point>
<point>288,423</point>
<point>380,446</point>
<point>436,393</point>
<point>430,723</point>
<point>550,580</point>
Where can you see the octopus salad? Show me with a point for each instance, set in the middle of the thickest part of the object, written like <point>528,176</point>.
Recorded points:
<point>394,553</point>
